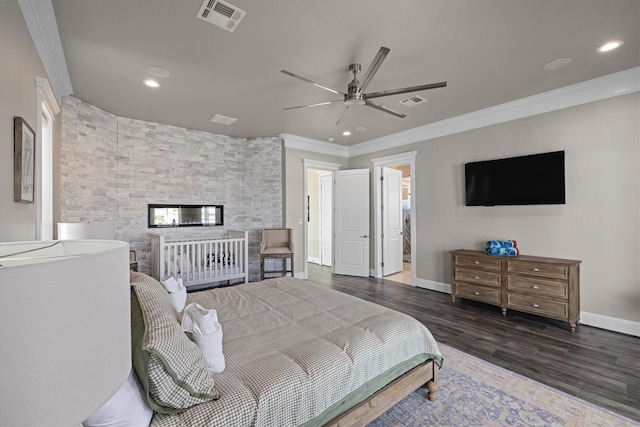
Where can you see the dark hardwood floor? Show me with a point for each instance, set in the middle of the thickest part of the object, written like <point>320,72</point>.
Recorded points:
<point>599,366</point>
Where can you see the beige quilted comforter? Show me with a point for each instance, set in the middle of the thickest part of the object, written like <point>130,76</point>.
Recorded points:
<point>294,348</point>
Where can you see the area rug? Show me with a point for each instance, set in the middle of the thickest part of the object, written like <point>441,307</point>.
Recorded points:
<point>477,393</point>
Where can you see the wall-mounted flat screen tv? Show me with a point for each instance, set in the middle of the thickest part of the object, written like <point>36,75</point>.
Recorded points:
<point>537,179</point>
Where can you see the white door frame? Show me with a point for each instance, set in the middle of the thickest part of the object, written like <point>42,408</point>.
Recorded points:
<point>311,164</point>
<point>46,100</point>
<point>408,158</point>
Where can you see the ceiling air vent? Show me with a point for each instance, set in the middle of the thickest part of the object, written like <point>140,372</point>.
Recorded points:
<point>223,120</point>
<point>413,100</point>
<point>221,14</point>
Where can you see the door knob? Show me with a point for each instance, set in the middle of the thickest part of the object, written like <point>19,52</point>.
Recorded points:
<point>365,236</point>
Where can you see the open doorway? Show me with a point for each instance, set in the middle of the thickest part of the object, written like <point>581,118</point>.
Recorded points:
<point>315,248</point>
<point>404,276</point>
<point>404,162</point>
<point>319,217</point>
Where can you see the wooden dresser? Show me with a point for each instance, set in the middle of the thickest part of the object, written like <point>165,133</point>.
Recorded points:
<point>547,287</point>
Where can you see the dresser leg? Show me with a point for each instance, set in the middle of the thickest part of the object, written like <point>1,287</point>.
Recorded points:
<point>504,311</point>
<point>572,326</point>
<point>453,298</point>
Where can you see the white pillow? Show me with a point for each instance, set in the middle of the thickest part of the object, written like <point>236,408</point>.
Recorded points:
<point>177,292</point>
<point>127,408</point>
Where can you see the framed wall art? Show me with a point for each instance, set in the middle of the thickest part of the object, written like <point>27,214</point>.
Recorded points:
<point>24,143</point>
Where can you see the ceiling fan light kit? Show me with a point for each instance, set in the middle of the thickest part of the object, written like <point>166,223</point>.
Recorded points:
<point>355,94</point>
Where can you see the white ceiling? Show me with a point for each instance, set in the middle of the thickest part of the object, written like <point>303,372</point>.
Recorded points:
<point>488,51</point>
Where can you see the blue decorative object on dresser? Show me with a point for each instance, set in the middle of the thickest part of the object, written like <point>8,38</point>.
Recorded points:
<point>502,248</point>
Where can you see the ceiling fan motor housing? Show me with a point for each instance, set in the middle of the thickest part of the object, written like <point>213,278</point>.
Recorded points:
<point>354,95</point>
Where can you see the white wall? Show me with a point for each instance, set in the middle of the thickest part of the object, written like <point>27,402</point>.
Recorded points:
<point>599,224</point>
<point>19,66</point>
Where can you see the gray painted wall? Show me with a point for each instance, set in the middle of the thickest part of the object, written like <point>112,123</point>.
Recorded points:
<point>599,224</point>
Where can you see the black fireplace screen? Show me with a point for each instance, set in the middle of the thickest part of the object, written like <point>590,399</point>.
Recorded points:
<point>162,216</point>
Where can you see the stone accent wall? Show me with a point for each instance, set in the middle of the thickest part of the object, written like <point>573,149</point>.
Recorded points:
<point>88,163</point>
<point>112,167</point>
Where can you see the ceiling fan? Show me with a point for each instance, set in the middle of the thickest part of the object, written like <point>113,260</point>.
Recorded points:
<point>355,91</point>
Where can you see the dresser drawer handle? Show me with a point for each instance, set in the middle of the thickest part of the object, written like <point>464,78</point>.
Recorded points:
<point>534,287</point>
<point>476,262</point>
<point>476,293</point>
<point>534,305</point>
<point>535,269</point>
<point>476,277</point>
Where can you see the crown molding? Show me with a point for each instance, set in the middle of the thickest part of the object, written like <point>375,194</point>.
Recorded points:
<point>325,166</point>
<point>46,95</point>
<point>314,145</point>
<point>621,83</point>
<point>41,21</point>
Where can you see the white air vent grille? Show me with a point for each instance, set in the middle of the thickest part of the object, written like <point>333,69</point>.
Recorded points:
<point>413,100</point>
<point>223,120</point>
<point>221,14</point>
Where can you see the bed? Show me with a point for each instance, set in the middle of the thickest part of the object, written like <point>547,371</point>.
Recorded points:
<point>296,353</point>
<point>199,261</point>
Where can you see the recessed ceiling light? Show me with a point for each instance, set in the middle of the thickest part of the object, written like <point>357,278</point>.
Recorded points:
<point>614,44</point>
<point>346,133</point>
<point>152,83</point>
<point>157,71</point>
<point>361,129</point>
<point>557,63</point>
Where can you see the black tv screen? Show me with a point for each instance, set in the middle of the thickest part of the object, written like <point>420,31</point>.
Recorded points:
<point>537,179</point>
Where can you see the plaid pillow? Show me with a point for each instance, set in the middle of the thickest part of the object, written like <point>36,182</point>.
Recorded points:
<point>172,369</point>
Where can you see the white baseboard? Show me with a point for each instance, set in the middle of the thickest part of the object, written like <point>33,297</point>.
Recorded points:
<point>433,286</point>
<point>591,319</point>
<point>610,323</point>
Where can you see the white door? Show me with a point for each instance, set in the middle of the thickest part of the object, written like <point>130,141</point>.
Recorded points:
<point>391,221</point>
<point>351,222</point>
<point>326,211</point>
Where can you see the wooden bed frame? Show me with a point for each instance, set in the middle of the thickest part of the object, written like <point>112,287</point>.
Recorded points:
<point>425,374</point>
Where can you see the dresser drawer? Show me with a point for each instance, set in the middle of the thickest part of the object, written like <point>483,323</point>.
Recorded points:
<point>478,293</point>
<point>538,269</point>
<point>536,286</point>
<point>477,277</point>
<point>476,261</point>
<point>555,309</point>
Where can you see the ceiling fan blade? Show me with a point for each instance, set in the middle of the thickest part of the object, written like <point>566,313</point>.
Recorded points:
<point>404,90</point>
<point>373,68</point>
<point>385,109</point>
<point>317,104</point>
<point>344,113</point>
<point>320,85</point>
